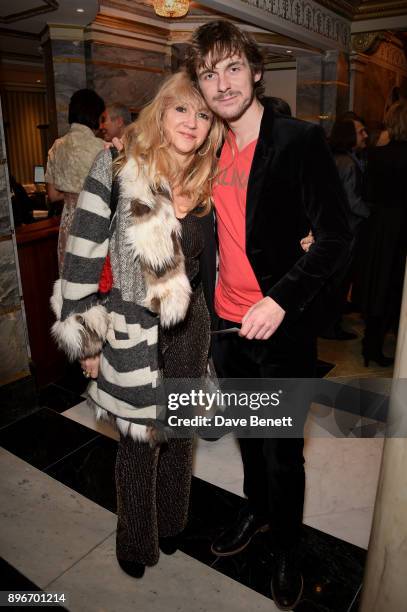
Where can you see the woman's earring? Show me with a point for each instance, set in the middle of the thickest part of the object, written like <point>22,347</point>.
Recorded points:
<point>203,153</point>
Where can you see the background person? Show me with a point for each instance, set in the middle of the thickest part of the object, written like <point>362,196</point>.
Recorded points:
<point>346,138</point>
<point>114,120</point>
<point>71,157</point>
<point>380,268</point>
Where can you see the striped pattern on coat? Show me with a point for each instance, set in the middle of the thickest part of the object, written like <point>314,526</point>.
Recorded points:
<point>143,242</point>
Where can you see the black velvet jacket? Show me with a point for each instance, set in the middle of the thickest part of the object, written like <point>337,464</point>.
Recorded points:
<point>293,186</point>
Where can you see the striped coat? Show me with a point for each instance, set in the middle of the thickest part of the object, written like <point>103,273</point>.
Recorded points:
<point>150,286</point>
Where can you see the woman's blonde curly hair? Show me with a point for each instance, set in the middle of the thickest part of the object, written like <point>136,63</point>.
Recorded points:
<point>145,141</point>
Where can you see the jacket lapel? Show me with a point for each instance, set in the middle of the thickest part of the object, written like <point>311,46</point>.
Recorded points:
<point>262,157</point>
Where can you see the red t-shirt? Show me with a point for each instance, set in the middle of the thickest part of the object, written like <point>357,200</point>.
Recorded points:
<point>237,289</point>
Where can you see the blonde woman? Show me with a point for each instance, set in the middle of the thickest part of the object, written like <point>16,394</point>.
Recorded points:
<point>155,239</point>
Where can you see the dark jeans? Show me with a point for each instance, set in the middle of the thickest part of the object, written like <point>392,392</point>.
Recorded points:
<point>274,478</point>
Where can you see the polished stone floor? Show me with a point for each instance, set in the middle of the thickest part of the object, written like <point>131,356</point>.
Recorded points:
<point>58,506</point>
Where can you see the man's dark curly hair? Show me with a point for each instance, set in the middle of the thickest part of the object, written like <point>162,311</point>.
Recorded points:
<point>217,40</point>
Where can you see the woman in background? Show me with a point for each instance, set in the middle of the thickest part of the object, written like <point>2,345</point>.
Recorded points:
<point>71,157</point>
<point>378,287</point>
<point>344,144</point>
<point>155,317</point>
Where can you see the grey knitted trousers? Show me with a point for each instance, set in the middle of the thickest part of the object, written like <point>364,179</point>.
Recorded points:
<point>153,485</point>
<point>152,496</point>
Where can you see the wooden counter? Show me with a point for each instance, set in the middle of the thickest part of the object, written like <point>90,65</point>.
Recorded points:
<point>37,254</point>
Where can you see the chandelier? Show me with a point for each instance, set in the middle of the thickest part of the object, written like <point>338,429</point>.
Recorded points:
<point>171,8</point>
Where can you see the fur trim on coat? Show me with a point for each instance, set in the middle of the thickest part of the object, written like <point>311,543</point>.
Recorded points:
<point>154,237</point>
<point>80,335</point>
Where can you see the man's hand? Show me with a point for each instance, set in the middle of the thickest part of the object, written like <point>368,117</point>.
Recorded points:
<point>307,242</point>
<point>90,366</point>
<point>262,319</point>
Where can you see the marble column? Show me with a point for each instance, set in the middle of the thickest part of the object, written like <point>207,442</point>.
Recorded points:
<point>64,58</point>
<point>385,584</point>
<point>127,75</point>
<point>322,87</point>
<point>13,333</point>
<point>358,63</point>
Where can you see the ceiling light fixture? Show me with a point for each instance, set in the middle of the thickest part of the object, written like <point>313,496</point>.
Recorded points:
<point>79,10</point>
<point>171,8</point>
<point>288,51</point>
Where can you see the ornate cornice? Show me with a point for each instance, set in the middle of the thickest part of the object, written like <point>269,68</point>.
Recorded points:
<point>366,9</point>
<point>19,34</point>
<point>129,25</point>
<point>381,47</point>
<point>46,6</point>
<point>369,42</point>
<point>366,42</point>
<point>308,14</point>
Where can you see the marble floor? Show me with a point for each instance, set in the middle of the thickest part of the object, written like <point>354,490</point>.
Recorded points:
<point>58,507</point>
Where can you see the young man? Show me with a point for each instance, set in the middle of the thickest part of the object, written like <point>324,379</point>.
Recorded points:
<point>114,121</point>
<point>277,179</point>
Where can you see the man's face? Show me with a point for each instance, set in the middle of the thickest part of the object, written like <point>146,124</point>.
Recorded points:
<point>111,128</point>
<point>361,135</point>
<point>228,87</point>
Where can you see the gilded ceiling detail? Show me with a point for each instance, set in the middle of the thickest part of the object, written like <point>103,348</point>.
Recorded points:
<point>309,15</point>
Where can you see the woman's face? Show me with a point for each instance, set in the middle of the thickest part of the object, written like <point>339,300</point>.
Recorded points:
<point>186,127</point>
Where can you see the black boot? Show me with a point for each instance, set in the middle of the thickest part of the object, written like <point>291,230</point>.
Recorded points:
<point>238,536</point>
<point>170,544</point>
<point>287,582</point>
<point>378,358</point>
<point>132,568</point>
<point>372,349</point>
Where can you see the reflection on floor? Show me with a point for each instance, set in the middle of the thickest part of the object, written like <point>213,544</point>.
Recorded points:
<point>58,495</point>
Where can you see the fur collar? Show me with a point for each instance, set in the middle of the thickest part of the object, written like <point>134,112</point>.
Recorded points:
<point>153,235</point>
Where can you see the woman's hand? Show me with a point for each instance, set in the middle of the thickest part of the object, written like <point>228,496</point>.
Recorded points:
<point>307,242</point>
<point>116,142</point>
<point>90,366</point>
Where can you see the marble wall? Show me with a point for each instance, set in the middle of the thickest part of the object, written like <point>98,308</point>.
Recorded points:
<point>65,72</point>
<point>13,335</point>
<point>126,75</point>
<point>322,87</point>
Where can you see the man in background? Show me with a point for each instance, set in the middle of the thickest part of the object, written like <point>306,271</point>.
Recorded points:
<point>114,121</point>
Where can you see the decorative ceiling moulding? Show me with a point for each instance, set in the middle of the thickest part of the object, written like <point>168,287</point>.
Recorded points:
<point>366,42</point>
<point>108,30</point>
<point>358,10</point>
<point>383,48</point>
<point>46,6</point>
<point>375,10</point>
<point>309,15</point>
<point>392,55</point>
<point>62,31</point>
<point>270,38</point>
<point>19,34</point>
<point>129,25</point>
<point>23,58</point>
<point>369,42</point>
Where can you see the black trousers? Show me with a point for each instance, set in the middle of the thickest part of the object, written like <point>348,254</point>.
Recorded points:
<point>274,477</point>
